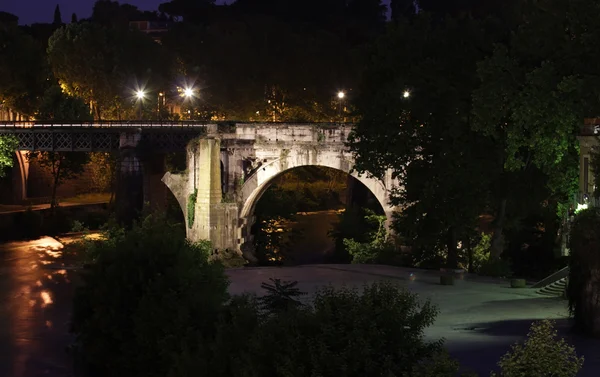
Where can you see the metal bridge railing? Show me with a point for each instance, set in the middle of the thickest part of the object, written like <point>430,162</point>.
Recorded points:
<point>100,124</point>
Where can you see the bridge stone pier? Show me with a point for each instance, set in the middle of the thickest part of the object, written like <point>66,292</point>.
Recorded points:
<point>230,168</point>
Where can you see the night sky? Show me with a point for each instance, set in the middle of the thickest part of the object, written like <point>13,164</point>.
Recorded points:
<point>30,11</point>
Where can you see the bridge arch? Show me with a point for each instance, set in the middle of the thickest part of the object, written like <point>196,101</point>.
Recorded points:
<point>258,183</point>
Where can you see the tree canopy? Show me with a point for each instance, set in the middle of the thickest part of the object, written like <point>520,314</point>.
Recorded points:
<point>105,65</point>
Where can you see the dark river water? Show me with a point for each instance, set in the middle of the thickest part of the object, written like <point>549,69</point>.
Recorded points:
<point>312,244</point>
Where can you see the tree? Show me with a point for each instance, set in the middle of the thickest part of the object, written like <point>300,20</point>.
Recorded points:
<point>584,264</point>
<point>535,92</point>
<point>61,165</point>
<point>194,11</point>
<point>105,65</point>
<point>415,104</point>
<point>74,18</point>
<point>402,8</point>
<point>58,106</point>
<point>8,146</point>
<point>338,334</point>
<point>8,19</point>
<point>23,70</point>
<point>57,21</point>
<point>150,298</point>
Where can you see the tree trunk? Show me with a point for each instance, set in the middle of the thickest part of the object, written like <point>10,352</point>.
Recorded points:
<point>470,254</point>
<point>452,260</point>
<point>497,242</point>
<point>54,187</point>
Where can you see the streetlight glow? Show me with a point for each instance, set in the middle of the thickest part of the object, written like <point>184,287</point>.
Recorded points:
<point>188,92</point>
<point>140,94</point>
<point>406,94</point>
<point>341,95</point>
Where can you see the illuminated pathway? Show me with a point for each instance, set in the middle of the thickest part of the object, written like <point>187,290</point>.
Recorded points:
<point>480,319</point>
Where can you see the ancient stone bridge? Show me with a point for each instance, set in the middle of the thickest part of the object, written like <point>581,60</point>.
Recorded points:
<point>229,171</point>
<point>229,167</point>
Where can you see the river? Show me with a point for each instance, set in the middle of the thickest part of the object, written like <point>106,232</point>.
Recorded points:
<point>313,243</point>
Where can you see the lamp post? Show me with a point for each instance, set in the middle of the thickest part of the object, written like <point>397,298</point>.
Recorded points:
<point>406,94</point>
<point>140,94</point>
<point>161,100</point>
<point>188,94</point>
<point>341,95</point>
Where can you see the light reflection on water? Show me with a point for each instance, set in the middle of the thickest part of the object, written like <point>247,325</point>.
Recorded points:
<point>46,298</point>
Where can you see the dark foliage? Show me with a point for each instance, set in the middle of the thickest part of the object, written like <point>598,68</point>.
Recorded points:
<point>584,279</point>
<point>150,297</point>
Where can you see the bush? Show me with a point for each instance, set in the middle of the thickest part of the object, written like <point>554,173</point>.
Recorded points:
<point>150,297</point>
<point>344,333</point>
<point>518,283</point>
<point>541,355</point>
<point>584,282</point>
<point>378,249</point>
<point>481,253</point>
<point>496,267</point>
<point>446,280</point>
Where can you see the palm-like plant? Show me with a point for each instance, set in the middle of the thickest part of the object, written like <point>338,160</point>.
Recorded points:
<point>280,295</point>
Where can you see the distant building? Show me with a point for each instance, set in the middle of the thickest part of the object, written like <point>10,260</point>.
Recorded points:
<point>155,29</point>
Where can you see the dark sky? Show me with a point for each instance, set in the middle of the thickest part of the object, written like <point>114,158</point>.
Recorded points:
<point>30,11</point>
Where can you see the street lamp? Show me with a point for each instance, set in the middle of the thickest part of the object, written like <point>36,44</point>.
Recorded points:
<point>140,94</point>
<point>406,94</point>
<point>161,103</point>
<point>341,95</point>
<point>188,93</point>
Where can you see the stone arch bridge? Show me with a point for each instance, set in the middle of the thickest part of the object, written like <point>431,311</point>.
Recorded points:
<point>229,166</point>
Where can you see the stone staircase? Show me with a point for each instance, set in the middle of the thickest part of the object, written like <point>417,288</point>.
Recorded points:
<point>555,289</point>
<point>554,285</point>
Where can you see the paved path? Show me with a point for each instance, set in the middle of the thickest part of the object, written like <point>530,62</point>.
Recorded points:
<point>13,208</point>
<point>480,318</point>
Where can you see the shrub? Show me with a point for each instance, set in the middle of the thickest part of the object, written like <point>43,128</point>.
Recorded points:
<point>481,253</point>
<point>281,296</point>
<point>446,280</point>
<point>542,355</point>
<point>344,333</point>
<point>496,267</point>
<point>78,227</point>
<point>518,283</point>
<point>150,298</point>
<point>584,282</point>
<point>378,248</point>
<point>228,258</point>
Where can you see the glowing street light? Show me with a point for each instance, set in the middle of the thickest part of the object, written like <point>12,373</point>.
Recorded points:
<point>188,92</point>
<point>340,96</point>
<point>140,94</point>
<point>406,94</point>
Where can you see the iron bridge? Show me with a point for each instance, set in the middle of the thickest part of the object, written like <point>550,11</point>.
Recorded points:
<point>101,136</point>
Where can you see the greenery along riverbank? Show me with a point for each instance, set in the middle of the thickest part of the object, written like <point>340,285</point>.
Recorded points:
<point>152,304</point>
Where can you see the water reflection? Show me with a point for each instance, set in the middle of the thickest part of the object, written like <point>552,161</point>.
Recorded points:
<point>46,298</point>
<point>34,310</point>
